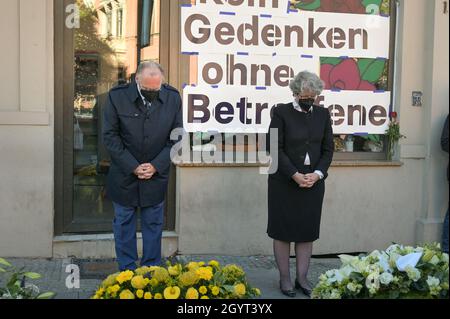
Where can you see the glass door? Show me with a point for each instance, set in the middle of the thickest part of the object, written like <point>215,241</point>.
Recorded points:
<point>101,51</point>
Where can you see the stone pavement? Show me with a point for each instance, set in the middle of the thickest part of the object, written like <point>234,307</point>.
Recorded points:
<point>261,273</point>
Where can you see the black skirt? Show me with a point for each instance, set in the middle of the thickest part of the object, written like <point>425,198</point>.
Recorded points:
<point>294,212</point>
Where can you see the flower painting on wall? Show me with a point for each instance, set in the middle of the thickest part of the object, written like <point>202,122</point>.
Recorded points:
<point>354,74</point>
<point>344,6</point>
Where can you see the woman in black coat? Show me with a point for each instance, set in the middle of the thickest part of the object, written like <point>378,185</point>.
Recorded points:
<point>296,189</point>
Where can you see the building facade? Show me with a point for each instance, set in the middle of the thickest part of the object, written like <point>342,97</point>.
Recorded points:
<point>61,57</point>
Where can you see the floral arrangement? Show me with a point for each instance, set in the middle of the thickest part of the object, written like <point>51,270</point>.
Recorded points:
<point>393,134</point>
<point>16,286</point>
<point>195,280</point>
<point>398,272</point>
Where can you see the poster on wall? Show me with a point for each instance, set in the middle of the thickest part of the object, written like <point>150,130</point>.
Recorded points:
<point>247,52</point>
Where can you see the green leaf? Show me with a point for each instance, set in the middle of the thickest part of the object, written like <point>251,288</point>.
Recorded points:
<point>332,61</point>
<point>369,2</point>
<point>373,138</point>
<point>12,281</point>
<point>371,70</point>
<point>2,270</point>
<point>356,276</point>
<point>46,295</point>
<point>394,294</point>
<point>4,262</point>
<point>308,6</point>
<point>228,288</point>
<point>32,275</point>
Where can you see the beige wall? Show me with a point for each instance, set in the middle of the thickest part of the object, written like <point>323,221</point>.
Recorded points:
<point>26,128</point>
<point>224,210</point>
<point>423,66</point>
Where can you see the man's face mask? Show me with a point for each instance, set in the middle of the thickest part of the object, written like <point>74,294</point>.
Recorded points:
<point>150,85</point>
<point>150,95</point>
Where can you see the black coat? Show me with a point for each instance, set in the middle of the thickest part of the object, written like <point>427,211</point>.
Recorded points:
<point>294,213</point>
<point>134,135</point>
<point>295,140</point>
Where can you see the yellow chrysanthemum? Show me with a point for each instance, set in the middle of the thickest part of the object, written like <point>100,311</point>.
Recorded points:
<point>201,263</point>
<point>153,268</point>
<point>239,290</point>
<point>110,280</point>
<point>161,274</point>
<point>204,273</point>
<point>188,278</point>
<point>214,263</point>
<point>204,297</point>
<point>148,295</point>
<point>192,293</point>
<point>153,282</point>
<point>140,293</point>
<point>138,282</point>
<point>100,292</point>
<point>126,294</point>
<point>192,265</point>
<point>215,290</point>
<point>112,291</point>
<point>257,291</point>
<point>174,270</point>
<point>203,290</point>
<point>158,296</point>
<point>233,272</point>
<point>124,276</point>
<point>172,292</point>
<point>142,270</point>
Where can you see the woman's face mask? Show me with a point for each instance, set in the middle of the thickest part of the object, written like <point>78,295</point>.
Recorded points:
<point>305,101</point>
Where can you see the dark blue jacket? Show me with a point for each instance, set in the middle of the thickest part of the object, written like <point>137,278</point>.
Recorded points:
<point>134,135</point>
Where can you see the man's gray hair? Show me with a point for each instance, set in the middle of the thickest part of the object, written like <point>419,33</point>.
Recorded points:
<point>149,65</point>
<point>306,81</point>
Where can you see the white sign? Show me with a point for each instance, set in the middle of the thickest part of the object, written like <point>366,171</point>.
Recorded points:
<point>252,70</point>
<point>247,110</point>
<point>308,33</point>
<point>248,51</point>
<point>358,111</point>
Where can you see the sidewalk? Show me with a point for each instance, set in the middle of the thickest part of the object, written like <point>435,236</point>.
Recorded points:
<point>261,273</point>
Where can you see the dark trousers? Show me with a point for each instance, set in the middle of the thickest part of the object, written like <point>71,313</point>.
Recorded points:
<point>124,226</point>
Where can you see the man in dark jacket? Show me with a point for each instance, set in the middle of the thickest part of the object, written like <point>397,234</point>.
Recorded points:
<point>138,120</point>
<point>444,145</point>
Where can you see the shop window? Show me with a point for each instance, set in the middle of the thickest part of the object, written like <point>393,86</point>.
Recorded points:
<point>338,73</point>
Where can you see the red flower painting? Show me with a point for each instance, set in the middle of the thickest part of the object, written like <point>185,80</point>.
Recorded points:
<point>344,76</point>
<point>337,6</point>
<point>342,6</point>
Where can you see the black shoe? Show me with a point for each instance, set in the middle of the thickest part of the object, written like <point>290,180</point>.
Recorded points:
<point>290,293</point>
<point>306,291</point>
